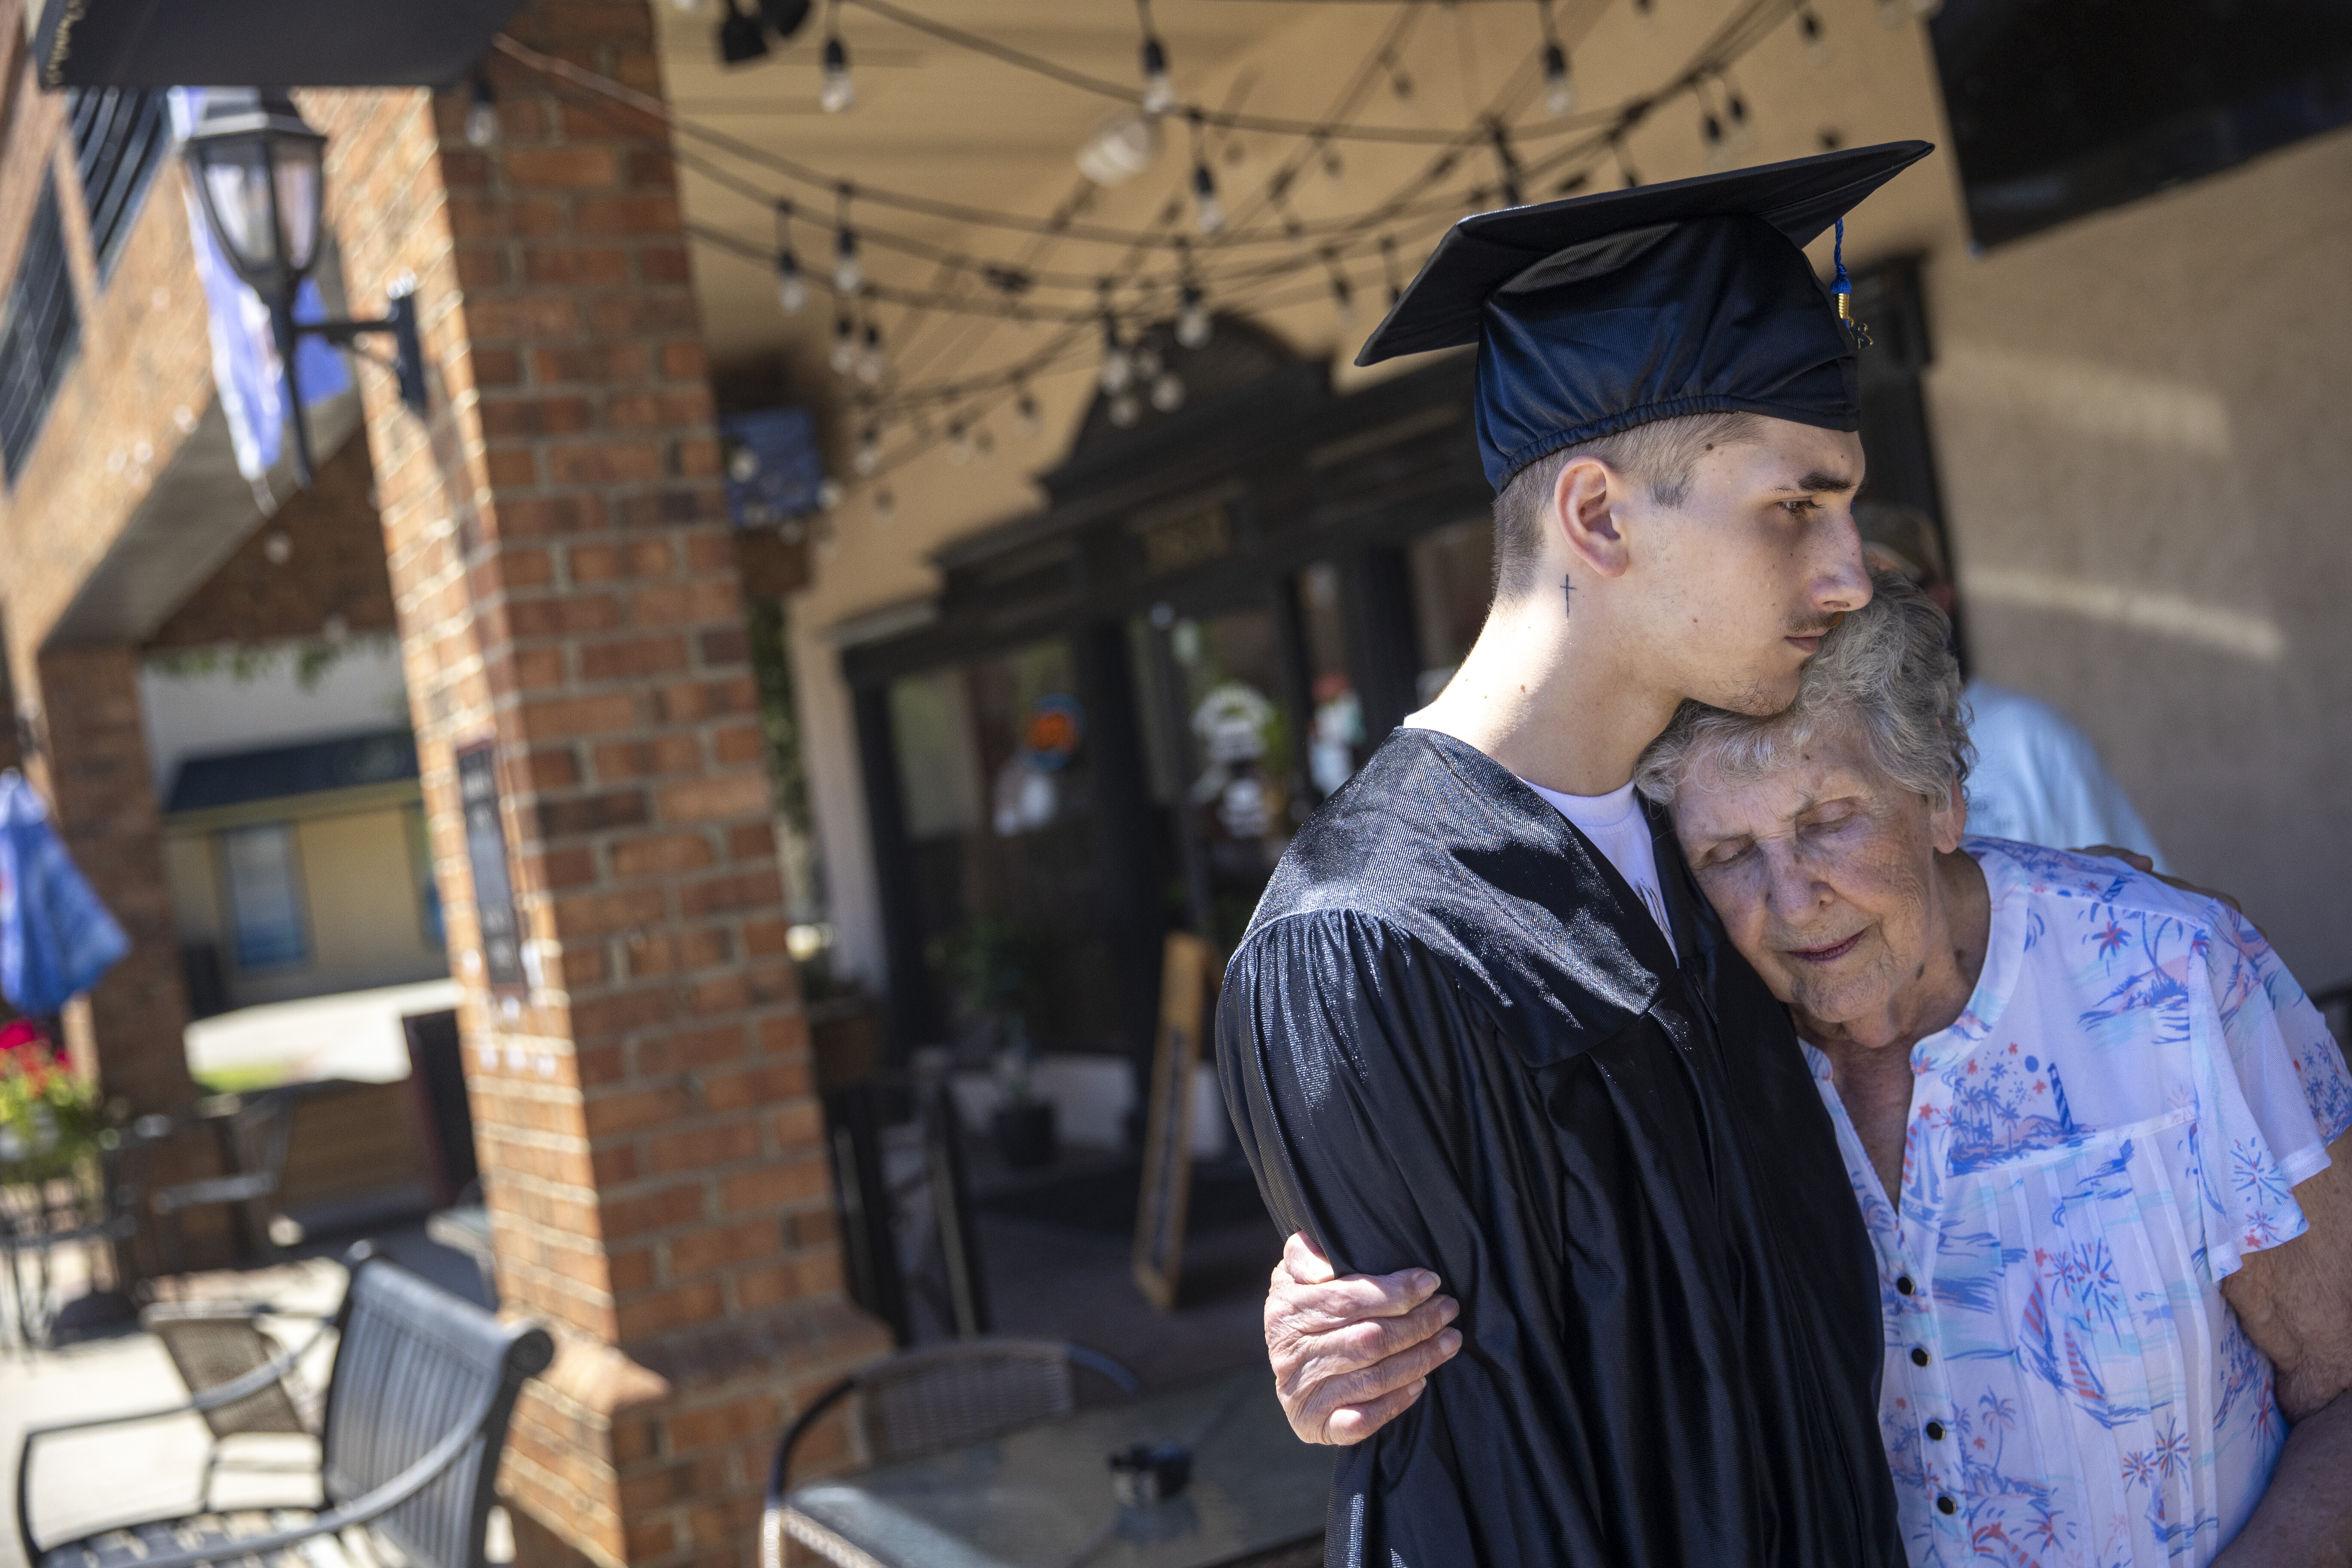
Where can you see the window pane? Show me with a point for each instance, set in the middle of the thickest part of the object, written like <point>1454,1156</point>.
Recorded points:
<point>264,905</point>
<point>1336,744</point>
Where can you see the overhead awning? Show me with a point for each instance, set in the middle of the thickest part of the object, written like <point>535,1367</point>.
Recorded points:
<point>263,43</point>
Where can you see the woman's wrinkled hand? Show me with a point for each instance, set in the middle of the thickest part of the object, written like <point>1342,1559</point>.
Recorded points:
<point>1351,1354</point>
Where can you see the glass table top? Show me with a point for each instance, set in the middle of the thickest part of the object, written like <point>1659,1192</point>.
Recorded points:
<point>1041,1498</point>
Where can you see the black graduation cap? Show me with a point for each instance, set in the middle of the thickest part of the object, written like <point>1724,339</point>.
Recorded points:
<point>1598,313</point>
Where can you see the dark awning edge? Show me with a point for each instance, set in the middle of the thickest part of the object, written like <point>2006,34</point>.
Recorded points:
<point>263,43</point>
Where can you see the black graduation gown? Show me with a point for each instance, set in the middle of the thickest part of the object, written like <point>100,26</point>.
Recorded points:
<point>1453,1037</point>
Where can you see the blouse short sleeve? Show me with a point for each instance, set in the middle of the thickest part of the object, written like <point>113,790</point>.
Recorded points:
<point>2293,1099</point>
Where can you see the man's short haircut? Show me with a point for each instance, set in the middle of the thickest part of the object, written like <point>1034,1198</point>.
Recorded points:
<point>1659,456</point>
<point>1888,670</point>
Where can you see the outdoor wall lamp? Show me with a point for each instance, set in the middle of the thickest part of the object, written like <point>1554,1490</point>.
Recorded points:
<point>257,169</point>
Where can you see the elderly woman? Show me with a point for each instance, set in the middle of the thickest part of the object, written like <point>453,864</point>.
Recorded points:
<point>2087,1117</point>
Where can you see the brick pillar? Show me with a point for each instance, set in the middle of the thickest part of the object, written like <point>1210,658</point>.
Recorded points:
<point>652,1153</point>
<point>131,1029</point>
<point>129,1033</point>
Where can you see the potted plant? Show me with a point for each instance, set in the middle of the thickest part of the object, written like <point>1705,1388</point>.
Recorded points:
<point>998,967</point>
<point>49,1119</point>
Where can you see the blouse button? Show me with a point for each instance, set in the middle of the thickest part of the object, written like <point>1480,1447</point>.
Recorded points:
<point>1918,1355</point>
<point>1903,1283</point>
<point>1946,1506</point>
<point>1935,1431</point>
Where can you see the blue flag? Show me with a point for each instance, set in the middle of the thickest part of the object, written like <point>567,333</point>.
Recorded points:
<point>56,938</point>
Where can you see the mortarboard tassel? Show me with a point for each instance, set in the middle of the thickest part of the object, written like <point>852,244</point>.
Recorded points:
<point>1841,286</point>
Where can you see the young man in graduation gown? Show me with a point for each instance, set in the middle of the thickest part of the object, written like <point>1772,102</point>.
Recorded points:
<point>1482,1022</point>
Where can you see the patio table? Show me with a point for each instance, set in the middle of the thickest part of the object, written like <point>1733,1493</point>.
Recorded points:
<point>1041,1497</point>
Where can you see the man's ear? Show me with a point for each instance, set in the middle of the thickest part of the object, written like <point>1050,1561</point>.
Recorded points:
<point>1585,500</point>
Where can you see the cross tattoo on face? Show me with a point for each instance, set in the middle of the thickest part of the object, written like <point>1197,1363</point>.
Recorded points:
<point>1568,593</point>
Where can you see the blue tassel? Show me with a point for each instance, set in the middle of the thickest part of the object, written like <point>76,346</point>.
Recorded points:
<point>1841,288</point>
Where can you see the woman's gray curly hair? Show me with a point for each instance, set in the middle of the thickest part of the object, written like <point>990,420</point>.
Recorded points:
<point>1887,667</point>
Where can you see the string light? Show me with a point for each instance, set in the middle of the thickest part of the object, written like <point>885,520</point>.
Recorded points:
<point>1159,92</point>
<point>828,493</point>
<point>482,114</point>
<point>1817,41</point>
<point>848,273</point>
<point>791,290</point>
<point>1735,107</point>
<point>839,92</point>
<point>958,442</point>
<point>1168,392</point>
<point>1207,210</point>
<point>1400,84</point>
<point>1334,170</point>
<point>1559,88</point>
<point>843,358</point>
<point>1388,270</point>
<point>1625,164</point>
<point>1124,410</point>
<point>1193,322</point>
<point>1710,131</point>
<point>1024,409</point>
<point>871,364</point>
<point>984,442</point>
<point>1117,368</point>
<point>1343,293</point>
<point>886,505</point>
<point>869,452</point>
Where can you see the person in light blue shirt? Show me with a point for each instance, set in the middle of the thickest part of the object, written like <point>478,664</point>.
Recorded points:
<point>2037,779</point>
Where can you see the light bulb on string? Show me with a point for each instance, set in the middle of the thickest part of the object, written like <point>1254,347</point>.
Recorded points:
<point>1893,13</point>
<point>958,442</point>
<point>1125,410</point>
<point>848,274</point>
<point>1710,131</point>
<point>1159,92</point>
<point>1625,164</point>
<point>1388,270</point>
<point>1334,170</point>
<point>828,493</point>
<point>1734,109</point>
<point>983,443</point>
<point>1647,10</point>
<point>1024,409</point>
<point>1343,293</point>
<point>870,363</point>
<point>1147,362</point>
<point>1117,369</point>
<point>792,289</point>
<point>843,357</point>
<point>839,92</point>
<point>1208,211</point>
<point>1400,84</point>
<point>482,113</point>
<point>1506,161</point>
<point>886,505</point>
<point>869,452</point>
<point>1168,392</point>
<point>1559,88</point>
<point>1192,324</point>
<point>1817,40</point>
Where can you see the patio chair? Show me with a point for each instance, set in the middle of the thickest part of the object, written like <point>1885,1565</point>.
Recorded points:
<point>416,1410</point>
<point>255,1133</point>
<point>215,1343</point>
<point>918,1402</point>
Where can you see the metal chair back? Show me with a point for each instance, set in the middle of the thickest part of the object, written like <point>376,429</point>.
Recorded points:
<point>214,1344</point>
<point>414,1365</point>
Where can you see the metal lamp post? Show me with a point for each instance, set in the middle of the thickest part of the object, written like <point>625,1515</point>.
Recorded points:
<point>257,167</point>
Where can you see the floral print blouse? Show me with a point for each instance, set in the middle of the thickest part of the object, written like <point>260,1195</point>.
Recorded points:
<point>2118,1117</point>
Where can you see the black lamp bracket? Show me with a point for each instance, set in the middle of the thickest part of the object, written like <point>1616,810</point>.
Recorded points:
<point>408,349</point>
